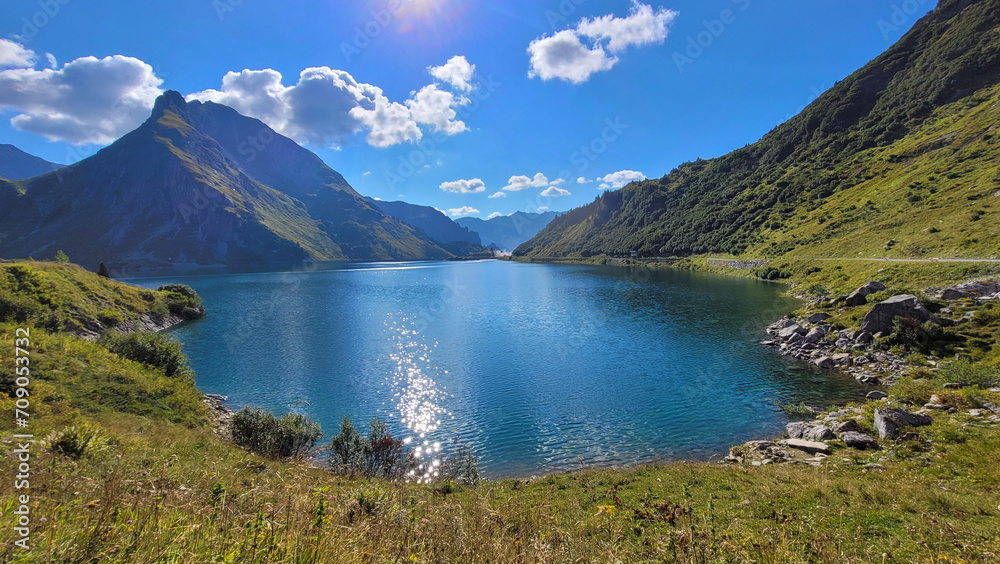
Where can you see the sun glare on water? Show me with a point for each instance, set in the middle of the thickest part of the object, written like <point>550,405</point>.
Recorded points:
<point>418,397</point>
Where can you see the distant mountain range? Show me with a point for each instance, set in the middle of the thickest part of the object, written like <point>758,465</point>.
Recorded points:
<point>506,232</point>
<point>900,159</point>
<point>198,184</point>
<point>15,164</point>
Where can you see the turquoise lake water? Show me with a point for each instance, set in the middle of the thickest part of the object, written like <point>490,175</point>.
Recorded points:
<point>539,368</point>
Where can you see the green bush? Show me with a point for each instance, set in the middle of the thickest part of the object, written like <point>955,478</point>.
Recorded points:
<point>18,309</point>
<point>290,436</point>
<point>61,257</point>
<point>913,392</point>
<point>75,441</point>
<point>109,317</point>
<point>182,300</point>
<point>378,454</point>
<point>152,349</point>
<point>967,374</point>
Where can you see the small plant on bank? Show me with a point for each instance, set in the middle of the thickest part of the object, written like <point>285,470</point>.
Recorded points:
<point>290,436</point>
<point>152,349</point>
<point>379,454</point>
<point>967,374</point>
<point>75,441</point>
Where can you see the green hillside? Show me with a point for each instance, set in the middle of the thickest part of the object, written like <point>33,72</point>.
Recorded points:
<point>900,159</point>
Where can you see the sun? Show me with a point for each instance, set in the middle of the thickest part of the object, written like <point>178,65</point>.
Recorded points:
<point>429,15</point>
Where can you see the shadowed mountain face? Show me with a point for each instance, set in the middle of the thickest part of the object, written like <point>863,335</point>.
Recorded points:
<point>15,164</point>
<point>435,224</point>
<point>899,159</point>
<point>508,231</point>
<point>198,184</point>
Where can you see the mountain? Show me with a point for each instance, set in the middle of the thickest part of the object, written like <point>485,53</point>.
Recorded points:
<point>900,159</point>
<point>435,224</point>
<point>198,184</point>
<point>15,164</point>
<point>508,231</point>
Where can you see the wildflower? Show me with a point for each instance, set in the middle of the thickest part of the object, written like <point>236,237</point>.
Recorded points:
<point>129,522</point>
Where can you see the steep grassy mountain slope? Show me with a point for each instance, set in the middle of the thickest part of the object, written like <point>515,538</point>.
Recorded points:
<point>15,164</point>
<point>508,231</point>
<point>899,159</point>
<point>171,194</point>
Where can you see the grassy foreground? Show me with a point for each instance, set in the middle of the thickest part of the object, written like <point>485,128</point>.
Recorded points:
<point>155,484</point>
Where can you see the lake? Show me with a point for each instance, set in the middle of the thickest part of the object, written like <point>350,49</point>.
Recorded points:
<point>538,368</point>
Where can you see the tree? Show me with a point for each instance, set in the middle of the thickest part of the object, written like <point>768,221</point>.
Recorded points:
<point>61,257</point>
<point>102,270</point>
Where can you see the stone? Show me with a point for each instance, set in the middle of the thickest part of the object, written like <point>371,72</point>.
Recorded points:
<point>860,296</point>
<point>807,446</point>
<point>814,335</point>
<point>880,318</point>
<point>818,433</point>
<point>876,395</point>
<point>860,441</point>
<point>908,437</point>
<point>977,412</point>
<point>869,378</point>
<point>864,338</point>
<point>795,338</point>
<point>936,406</point>
<point>796,429</point>
<point>971,290</point>
<point>782,323</point>
<point>873,466</point>
<point>818,318</point>
<point>841,358</point>
<point>793,329</point>
<point>992,407</point>
<point>952,386</point>
<point>888,420</point>
<point>824,362</point>
<point>849,426</point>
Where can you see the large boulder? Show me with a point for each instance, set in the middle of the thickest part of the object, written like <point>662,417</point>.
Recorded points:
<point>859,441</point>
<point>859,297</point>
<point>888,420</point>
<point>793,329</point>
<point>880,318</point>
<point>971,290</point>
<point>811,447</point>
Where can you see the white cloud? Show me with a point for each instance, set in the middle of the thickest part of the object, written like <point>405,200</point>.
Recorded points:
<point>494,214</point>
<point>51,60</point>
<point>457,72</point>
<point>542,208</point>
<point>566,56</point>
<point>462,211</point>
<point>641,27</point>
<point>463,186</point>
<point>326,107</point>
<point>521,182</point>
<point>553,191</point>
<point>500,194</point>
<point>366,173</point>
<point>618,179</point>
<point>13,54</point>
<point>557,181</point>
<point>433,106</point>
<point>88,100</point>
<point>582,180</point>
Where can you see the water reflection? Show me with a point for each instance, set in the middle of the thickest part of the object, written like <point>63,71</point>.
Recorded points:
<point>418,396</point>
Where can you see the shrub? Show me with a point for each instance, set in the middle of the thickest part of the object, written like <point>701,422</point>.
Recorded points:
<point>967,374</point>
<point>378,454</point>
<point>152,349</point>
<point>75,441</point>
<point>109,317</point>
<point>462,467</point>
<point>18,309</point>
<point>61,257</point>
<point>182,300</point>
<point>290,436</point>
<point>912,392</point>
<point>102,270</point>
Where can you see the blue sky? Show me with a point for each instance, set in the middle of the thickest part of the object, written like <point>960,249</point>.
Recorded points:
<point>619,76</point>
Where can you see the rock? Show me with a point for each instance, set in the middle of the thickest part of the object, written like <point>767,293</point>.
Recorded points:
<point>818,318</point>
<point>793,329</point>
<point>782,323</point>
<point>807,446</point>
<point>971,290</point>
<point>936,406</point>
<point>841,358</point>
<point>860,441</point>
<point>952,386</point>
<point>876,395</point>
<point>873,466</point>
<point>860,296</point>
<point>849,426</point>
<point>796,429</point>
<point>814,335</point>
<point>843,343</point>
<point>977,412</point>
<point>888,420</point>
<point>908,437</point>
<point>992,407</point>
<point>824,362</point>
<point>818,433</point>
<point>869,378</point>
<point>795,338</point>
<point>880,318</point>
<point>864,338</point>
<point>760,445</point>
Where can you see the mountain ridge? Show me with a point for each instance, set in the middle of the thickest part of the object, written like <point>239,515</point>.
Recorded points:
<point>16,164</point>
<point>806,185</point>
